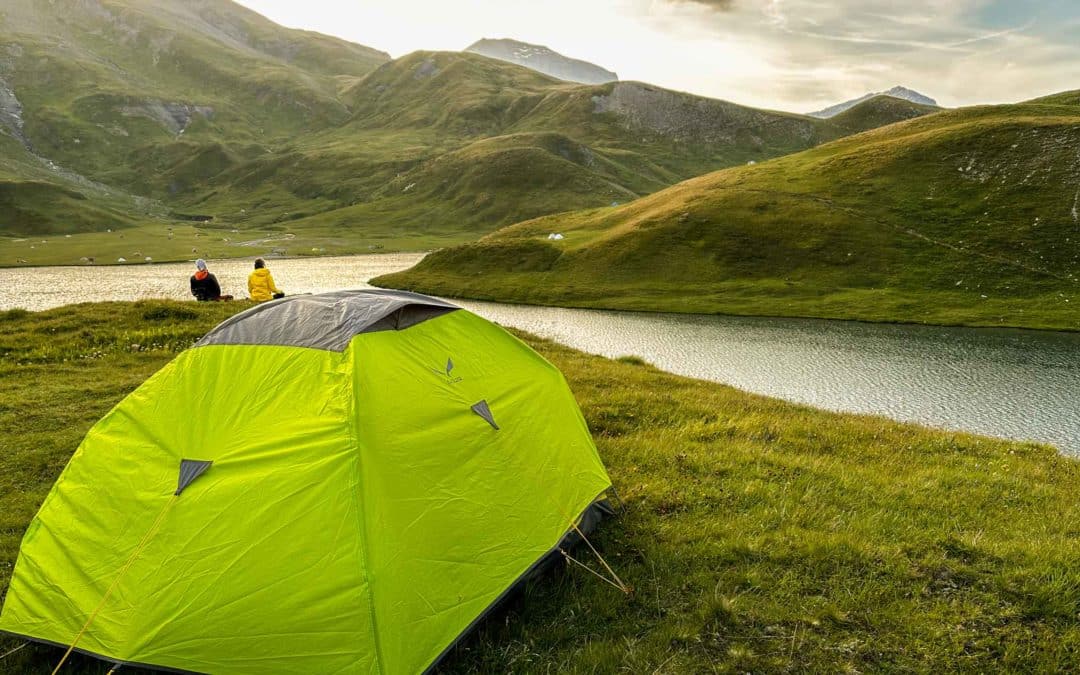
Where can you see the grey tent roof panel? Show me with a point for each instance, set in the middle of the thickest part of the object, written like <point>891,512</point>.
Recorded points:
<point>327,321</point>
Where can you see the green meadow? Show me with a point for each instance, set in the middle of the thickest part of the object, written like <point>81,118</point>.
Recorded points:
<point>757,535</point>
<point>966,216</point>
<point>134,114</point>
<point>188,242</point>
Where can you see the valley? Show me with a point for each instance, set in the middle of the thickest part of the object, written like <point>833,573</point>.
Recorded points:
<point>120,115</point>
<point>821,365</point>
<point>961,217</point>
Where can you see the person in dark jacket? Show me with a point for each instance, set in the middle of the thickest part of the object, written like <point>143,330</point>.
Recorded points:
<point>204,285</point>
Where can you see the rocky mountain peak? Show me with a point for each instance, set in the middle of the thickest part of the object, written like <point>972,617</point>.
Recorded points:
<point>542,59</point>
<point>896,92</point>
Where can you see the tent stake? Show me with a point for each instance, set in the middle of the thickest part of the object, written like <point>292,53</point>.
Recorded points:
<point>12,651</point>
<point>618,582</point>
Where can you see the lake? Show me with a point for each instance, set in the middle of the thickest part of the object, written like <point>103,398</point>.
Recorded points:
<point>1009,383</point>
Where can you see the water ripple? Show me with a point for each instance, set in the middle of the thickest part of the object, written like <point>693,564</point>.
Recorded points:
<point>1008,383</point>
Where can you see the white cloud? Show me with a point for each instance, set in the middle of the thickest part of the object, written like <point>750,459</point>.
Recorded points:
<point>786,54</point>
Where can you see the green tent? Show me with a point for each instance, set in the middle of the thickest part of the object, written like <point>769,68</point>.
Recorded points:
<point>335,483</point>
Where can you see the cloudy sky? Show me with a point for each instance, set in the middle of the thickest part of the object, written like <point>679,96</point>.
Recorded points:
<point>796,55</point>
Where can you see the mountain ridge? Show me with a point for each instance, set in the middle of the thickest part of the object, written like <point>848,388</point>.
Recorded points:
<point>542,59</point>
<point>156,110</point>
<point>898,91</point>
<point>966,216</point>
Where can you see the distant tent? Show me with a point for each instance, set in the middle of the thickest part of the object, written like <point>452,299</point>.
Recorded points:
<point>336,483</point>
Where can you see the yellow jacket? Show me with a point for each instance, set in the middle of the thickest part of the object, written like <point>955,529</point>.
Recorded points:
<point>261,285</point>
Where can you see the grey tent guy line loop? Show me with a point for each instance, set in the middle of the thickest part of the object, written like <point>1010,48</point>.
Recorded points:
<point>190,469</point>
<point>482,409</point>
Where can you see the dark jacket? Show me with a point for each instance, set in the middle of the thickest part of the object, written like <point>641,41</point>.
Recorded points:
<point>205,288</point>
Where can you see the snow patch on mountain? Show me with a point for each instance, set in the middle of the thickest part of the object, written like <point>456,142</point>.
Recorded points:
<point>543,60</point>
<point>896,92</point>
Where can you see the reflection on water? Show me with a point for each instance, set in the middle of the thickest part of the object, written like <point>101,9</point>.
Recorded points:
<point>1008,383</point>
<point>1000,382</point>
<point>43,287</point>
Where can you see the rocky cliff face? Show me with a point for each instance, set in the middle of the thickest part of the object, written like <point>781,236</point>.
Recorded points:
<point>174,117</point>
<point>543,60</point>
<point>11,110</point>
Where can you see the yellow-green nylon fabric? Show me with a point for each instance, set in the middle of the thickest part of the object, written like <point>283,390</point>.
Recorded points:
<point>357,518</point>
<point>476,507</point>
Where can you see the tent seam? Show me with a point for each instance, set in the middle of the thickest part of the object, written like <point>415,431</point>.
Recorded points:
<point>360,512</point>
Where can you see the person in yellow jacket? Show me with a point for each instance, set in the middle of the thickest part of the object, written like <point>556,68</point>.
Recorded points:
<point>261,285</point>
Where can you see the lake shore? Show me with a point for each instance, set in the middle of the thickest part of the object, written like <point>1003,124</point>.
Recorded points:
<point>180,242</point>
<point>759,299</point>
<point>667,304</point>
<point>46,287</point>
<point>760,535</point>
<point>1007,383</point>
<point>269,258</point>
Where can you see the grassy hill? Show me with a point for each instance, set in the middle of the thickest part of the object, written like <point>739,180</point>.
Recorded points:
<point>760,536</point>
<point>458,144</point>
<point>152,110</point>
<point>117,106</point>
<point>37,196</point>
<point>100,83</point>
<point>877,112</point>
<point>967,216</point>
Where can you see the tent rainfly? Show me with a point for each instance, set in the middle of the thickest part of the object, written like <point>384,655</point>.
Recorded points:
<point>334,483</point>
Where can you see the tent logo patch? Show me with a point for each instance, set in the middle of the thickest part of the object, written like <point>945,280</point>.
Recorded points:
<point>449,372</point>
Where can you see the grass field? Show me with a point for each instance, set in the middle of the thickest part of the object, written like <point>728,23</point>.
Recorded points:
<point>143,110</point>
<point>967,216</point>
<point>189,242</point>
<point>759,535</point>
